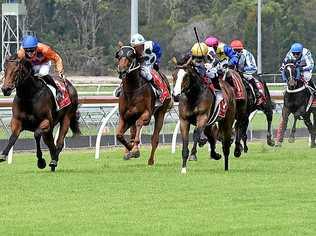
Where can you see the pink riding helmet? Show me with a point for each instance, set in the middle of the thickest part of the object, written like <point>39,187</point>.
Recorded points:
<point>211,41</point>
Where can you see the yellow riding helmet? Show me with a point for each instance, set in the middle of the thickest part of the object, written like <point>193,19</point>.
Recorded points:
<point>199,49</point>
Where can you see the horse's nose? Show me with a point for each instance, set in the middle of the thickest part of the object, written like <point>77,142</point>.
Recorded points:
<point>6,91</point>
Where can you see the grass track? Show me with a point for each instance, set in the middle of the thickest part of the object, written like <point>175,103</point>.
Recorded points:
<point>266,192</point>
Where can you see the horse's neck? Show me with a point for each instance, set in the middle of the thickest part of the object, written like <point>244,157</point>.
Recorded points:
<point>29,88</point>
<point>133,81</point>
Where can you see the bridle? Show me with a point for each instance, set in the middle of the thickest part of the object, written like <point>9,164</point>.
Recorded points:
<point>129,53</point>
<point>20,76</point>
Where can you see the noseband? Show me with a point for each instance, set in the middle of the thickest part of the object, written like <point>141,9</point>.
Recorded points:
<point>129,53</point>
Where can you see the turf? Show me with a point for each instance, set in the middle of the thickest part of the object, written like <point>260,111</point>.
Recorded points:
<point>268,191</point>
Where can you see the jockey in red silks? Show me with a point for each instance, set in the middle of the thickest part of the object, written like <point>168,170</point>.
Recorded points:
<point>247,66</point>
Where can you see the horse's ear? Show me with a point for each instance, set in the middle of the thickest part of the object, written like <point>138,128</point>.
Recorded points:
<point>174,60</point>
<point>120,44</point>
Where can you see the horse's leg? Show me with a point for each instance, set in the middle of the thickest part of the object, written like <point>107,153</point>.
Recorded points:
<point>239,135</point>
<point>41,163</point>
<point>313,144</point>
<point>244,133</point>
<point>269,116</point>
<point>121,129</point>
<point>159,118</point>
<point>184,129</point>
<point>193,152</point>
<point>310,126</point>
<point>63,129</point>
<point>16,127</point>
<point>293,130</point>
<point>282,126</point>
<point>45,129</point>
<point>49,141</point>
<point>212,140</point>
<point>144,119</point>
<point>226,127</point>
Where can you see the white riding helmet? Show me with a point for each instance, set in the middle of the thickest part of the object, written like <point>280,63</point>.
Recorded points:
<point>137,39</point>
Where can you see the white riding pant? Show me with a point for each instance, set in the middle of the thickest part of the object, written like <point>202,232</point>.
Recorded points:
<point>42,69</point>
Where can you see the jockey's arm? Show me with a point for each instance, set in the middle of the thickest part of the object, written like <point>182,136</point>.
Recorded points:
<point>250,65</point>
<point>309,62</point>
<point>53,56</point>
<point>233,57</point>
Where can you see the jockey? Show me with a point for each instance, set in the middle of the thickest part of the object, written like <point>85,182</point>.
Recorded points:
<point>224,53</point>
<point>148,54</point>
<point>246,64</point>
<point>41,57</point>
<point>304,62</point>
<point>152,54</point>
<point>201,61</point>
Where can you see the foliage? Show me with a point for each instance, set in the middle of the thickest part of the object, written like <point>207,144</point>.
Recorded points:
<point>86,32</point>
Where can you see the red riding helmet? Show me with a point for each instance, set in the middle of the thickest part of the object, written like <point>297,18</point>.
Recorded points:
<point>237,44</point>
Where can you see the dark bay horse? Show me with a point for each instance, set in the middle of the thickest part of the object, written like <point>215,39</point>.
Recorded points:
<point>196,106</point>
<point>266,107</point>
<point>297,99</point>
<point>34,109</point>
<point>137,104</point>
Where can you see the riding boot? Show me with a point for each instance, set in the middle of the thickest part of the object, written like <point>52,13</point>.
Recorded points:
<point>255,89</point>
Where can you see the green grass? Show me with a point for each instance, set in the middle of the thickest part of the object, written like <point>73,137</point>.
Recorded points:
<point>266,192</point>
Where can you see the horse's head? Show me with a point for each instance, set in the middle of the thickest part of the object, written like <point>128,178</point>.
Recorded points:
<point>182,79</point>
<point>127,61</point>
<point>291,74</point>
<point>15,71</point>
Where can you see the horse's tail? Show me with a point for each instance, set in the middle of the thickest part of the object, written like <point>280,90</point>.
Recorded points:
<point>74,124</point>
<point>268,96</point>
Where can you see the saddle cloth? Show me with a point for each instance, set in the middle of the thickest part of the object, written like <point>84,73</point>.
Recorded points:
<point>238,87</point>
<point>158,81</point>
<point>64,100</point>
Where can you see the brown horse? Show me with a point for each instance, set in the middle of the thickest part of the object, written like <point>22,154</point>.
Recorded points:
<point>34,109</point>
<point>137,104</point>
<point>196,106</point>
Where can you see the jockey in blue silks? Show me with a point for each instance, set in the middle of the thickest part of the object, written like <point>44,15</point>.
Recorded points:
<point>304,62</point>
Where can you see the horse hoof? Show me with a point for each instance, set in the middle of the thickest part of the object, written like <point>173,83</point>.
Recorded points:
<point>3,158</point>
<point>151,162</point>
<point>291,139</point>
<point>53,165</point>
<point>126,156</point>
<point>192,158</point>
<point>245,149</point>
<point>183,171</point>
<point>202,142</point>
<point>271,143</point>
<point>41,163</point>
<point>133,154</point>
<point>237,153</point>
<point>216,156</point>
<point>313,145</point>
<point>278,145</point>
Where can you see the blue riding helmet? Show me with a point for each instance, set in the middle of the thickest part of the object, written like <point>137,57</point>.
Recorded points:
<point>29,42</point>
<point>297,48</point>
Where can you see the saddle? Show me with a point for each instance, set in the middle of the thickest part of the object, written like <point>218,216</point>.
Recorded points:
<point>59,90</point>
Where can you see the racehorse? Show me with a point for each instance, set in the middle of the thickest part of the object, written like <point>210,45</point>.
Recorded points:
<point>266,107</point>
<point>297,100</point>
<point>196,107</point>
<point>34,109</point>
<point>137,104</point>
